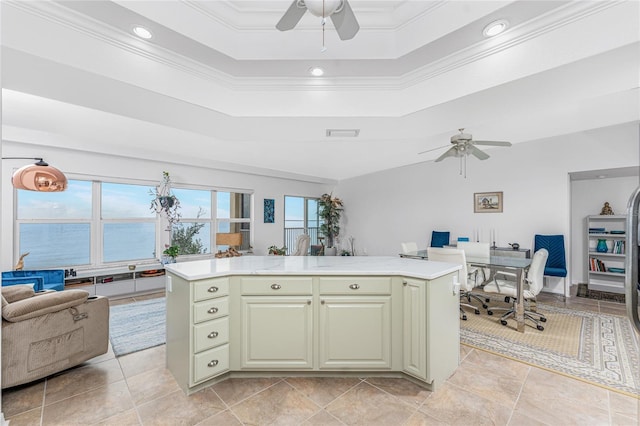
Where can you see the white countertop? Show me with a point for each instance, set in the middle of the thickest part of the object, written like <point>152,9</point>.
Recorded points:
<point>311,265</point>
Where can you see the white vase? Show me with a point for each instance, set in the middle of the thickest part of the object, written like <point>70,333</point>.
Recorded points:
<point>330,251</point>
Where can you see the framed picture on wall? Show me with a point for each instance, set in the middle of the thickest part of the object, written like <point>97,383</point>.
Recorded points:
<point>487,202</point>
<point>269,210</point>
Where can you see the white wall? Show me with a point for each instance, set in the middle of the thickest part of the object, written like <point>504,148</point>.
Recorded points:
<point>587,198</point>
<point>406,204</point>
<point>77,164</point>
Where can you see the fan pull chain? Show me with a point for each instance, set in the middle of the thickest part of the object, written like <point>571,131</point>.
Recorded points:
<point>324,21</point>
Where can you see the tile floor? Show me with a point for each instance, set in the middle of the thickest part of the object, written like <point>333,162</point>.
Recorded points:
<point>136,389</point>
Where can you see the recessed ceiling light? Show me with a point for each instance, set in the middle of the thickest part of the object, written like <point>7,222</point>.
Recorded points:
<point>495,28</point>
<point>342,133</point>
<point>316,71</point>
<point>142,32</point>
<point>601,176</point>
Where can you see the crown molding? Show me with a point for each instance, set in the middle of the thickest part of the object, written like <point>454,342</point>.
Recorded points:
<point>550,21</point>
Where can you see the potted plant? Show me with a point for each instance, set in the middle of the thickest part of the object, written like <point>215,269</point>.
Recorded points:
<point>164,202</point>
<point>274,250</point>
<point>170,253</point>
<point>330,210</point>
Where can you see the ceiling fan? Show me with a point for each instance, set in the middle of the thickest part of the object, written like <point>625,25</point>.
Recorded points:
<point>463,146</point>
<point>338,10</point>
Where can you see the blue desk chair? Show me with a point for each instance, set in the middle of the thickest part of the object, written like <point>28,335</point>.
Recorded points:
<point>439,238</point>
<point>556,265</point>
<point>40,279</point>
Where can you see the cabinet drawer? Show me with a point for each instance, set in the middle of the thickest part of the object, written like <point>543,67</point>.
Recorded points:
<point>210,288</point>
<point>276,286</point>
<point>210,309</point>
<point>210,363</point>
<point>210,334</point>
<point>355,285</point>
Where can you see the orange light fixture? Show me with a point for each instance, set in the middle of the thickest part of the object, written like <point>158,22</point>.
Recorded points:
<point>38,177</point>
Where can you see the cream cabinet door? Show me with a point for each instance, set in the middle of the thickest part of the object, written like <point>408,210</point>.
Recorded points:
<point>277,332</point>
<point>414,327</point>
<point>355,332</point>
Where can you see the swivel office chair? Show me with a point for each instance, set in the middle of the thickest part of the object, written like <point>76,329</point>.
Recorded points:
<point>451,255</point>
<point>532,287</point>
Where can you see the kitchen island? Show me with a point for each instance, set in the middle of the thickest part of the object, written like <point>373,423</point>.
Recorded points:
<point>253,316</point>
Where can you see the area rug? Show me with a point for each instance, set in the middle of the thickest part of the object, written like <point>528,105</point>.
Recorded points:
<point>137,326</point>
<point>596,348</point>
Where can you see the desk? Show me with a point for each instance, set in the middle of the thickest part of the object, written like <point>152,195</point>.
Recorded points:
<point>516,265</point>
<point>502,251</point>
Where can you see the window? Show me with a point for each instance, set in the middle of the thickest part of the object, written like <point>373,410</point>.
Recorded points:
<point>234,216</point>
<point>55,227</point>
<point>193,233</point>
<point>128,225</point>
<point>101,223</point>
<point>300,217</point>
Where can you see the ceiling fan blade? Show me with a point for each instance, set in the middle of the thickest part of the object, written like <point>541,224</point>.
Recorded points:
<point>291,17</point>
<point>477,153</point>
<point>451,152</point>
<point>433,149</point>
<point>345,22</point>
<point>492,143</point>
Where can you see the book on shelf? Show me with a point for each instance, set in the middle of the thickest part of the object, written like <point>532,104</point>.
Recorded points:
<point>596,265</point>
<point>618,247</point>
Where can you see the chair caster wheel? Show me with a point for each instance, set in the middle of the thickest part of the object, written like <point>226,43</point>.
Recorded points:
<point>490,312</point>
<point>503,322</point>
<point>539,327</point>
<point>485,306</point>
<point>477,311</point>
<point>543,319</point>
<point>464,317</point>
<point>487,300</point>
<point>507,299</point>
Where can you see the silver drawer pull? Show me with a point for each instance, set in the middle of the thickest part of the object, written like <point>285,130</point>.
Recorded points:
<point>212,310</point>
<point>276,286</point>
<point>212,289</point>
<point>212,363</point>
<point>354,286</point>
<point>212,335</point>
<point>404,282</point>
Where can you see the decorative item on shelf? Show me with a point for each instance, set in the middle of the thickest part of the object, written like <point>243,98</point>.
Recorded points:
<point>20,265</point>
<point>330,211</point>
<point>606,209</point>
<point>164,202</point>
<point>39,176</point>
<point>601,247</point>
<point>275,251</point>
<point>169,254</point>
<point>515,246</point>
<point>345,253</point>
<point>352,246</point>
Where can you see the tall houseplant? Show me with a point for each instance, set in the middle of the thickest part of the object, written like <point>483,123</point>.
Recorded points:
<point>330,210</point>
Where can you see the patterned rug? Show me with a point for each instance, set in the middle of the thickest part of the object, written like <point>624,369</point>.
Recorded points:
<point>137,326</point>
<point>596,348</point>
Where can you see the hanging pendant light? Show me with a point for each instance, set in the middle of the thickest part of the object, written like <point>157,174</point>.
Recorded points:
<point>38,177</point>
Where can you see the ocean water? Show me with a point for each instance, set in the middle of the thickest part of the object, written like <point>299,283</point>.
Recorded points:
<point>69,245</point>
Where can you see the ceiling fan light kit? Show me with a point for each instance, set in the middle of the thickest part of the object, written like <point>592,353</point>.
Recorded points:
<point>463,146</point>
<point>339,11</point>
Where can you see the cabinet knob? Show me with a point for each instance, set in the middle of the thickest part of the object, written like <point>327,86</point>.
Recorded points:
<point>212,335</point>
<point>354,286</point>
<point>212,289</point>
<point>404,282</point>
<point>212,310</point>
<point>212,363</point>
<point>308,302</point>
<point>322,302</point>
<point>276,286</point>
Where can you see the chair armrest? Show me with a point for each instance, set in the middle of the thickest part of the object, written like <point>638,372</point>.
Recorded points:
<point>43,303</point>
<point>36,281</point>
